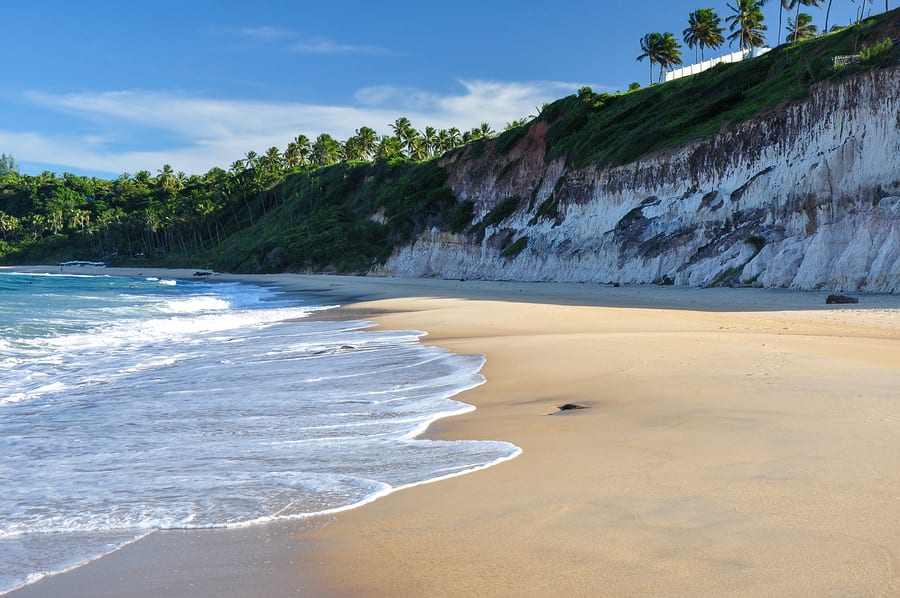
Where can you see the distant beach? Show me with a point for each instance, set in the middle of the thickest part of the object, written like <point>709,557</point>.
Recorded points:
<point>732,442</point>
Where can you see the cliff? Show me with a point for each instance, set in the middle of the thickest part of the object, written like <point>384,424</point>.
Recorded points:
<point>807,197</point>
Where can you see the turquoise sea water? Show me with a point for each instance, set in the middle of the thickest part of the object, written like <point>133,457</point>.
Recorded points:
<point>130,405</point>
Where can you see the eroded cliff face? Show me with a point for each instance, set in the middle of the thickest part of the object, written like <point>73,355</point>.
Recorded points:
<point>806,198</point>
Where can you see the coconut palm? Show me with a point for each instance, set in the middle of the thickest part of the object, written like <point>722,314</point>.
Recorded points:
<point>455,137</point>
<point>703,31</point>
<point>389,148</point>
<point>368,141</point>
<point>515,124</point>
<point>353,149</point>
<point>671,52</point>
<point>443,140</point>
<point>862,9</point>
<point>802,29</point>
<point>304,149</point>
<point>486,132</point>
<point>413,142</point>
<point>416,148</point>
<point>782,6</point>
<point>651,48</point>
<point>404,131</point>
<point>430,138</point>
<point>326,150</point>
<point>273,160</point>
<point>746,24</point>
<point>795,4</point>
<point>291,155</point>
<point>166,176</point>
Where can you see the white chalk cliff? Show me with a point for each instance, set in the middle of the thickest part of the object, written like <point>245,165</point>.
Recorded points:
<point>807,198</point>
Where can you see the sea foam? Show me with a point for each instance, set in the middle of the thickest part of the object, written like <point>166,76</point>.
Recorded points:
<point>136,406</point>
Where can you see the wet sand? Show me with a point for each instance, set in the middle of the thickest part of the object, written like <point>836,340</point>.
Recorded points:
<point>734,442</point>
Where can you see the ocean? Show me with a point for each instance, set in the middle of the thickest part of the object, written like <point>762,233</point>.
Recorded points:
<point>129,405</point>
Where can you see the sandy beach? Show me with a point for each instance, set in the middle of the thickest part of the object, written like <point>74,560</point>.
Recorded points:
<point>733,442</point>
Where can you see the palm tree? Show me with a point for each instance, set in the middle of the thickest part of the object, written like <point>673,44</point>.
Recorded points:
<point>416,148</point>
<point>368,141</point>
<point>443,140</point>
<point>412,142</point>
<point>252,159</point>
<point>703,30</point>
<point>273,160</point>
<point>784,5</point>
<point>454,136</point>
<point>862,9</point>
<point>515,124</point>
<point>403,130</point>
<point>486,131</point>
<point>166,176</point>
<point>747,24</point>
<point>389,147</point>
<point>430,137</point>
<point>353,149</point>
<point>795,4</point>
<point>802,29</point>
<point>671,53</point>
<point>651,48</point>
<point>304,149</point>
<point>326,150</point>
<point>291,155</point>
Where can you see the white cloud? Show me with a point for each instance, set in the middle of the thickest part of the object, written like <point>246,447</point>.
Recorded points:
<point>310,45</point>
<point>267,33</point>
<point>216,132</point>
<point>326,46</point>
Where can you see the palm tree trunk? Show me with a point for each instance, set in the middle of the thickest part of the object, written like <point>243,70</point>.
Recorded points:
<point>780,11</point>
<point>827,14</point>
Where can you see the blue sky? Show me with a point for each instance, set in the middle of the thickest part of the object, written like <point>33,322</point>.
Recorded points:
<point>101,87</point>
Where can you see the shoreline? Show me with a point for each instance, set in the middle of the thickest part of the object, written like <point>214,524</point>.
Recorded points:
<point>736,441</point>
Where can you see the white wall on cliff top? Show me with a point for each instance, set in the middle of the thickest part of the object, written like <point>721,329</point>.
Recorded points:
<point>817,186</point>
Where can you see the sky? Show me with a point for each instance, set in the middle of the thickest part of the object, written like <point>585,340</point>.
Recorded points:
<point>102,88</point>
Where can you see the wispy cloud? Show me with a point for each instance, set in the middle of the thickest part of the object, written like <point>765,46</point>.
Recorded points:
<point>295,42</point>
<point>326,46</point>
<point>203,132</point>
<point>268,33</point>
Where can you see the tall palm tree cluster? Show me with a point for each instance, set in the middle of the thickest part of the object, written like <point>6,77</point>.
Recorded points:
<point>662,49</point>
<point>365,145</point>
<point>174,212</point>
<point>746,27</point>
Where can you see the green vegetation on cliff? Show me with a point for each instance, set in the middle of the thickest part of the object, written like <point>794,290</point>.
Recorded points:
<point>616,129</point>
<point>281,213</point>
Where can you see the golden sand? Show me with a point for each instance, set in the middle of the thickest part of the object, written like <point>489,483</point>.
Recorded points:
<point>734,443</point>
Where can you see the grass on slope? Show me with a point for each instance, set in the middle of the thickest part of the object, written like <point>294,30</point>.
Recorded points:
<point>616,129</point>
